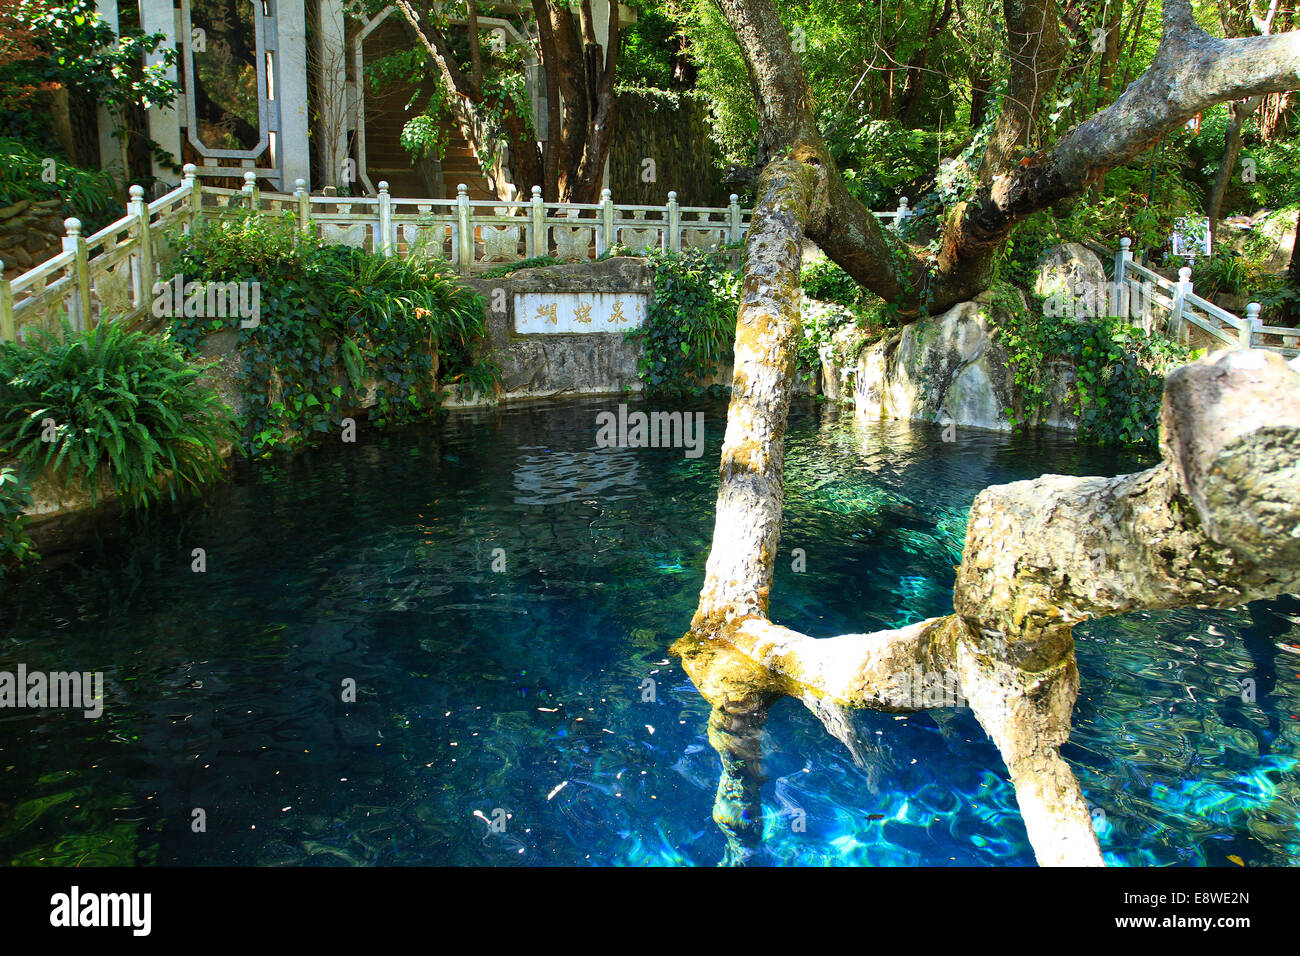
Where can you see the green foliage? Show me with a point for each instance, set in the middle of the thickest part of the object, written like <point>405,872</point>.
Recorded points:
<point>882,158</point>
<point>853,63</point>
<point>15,544</point>
<point>826,281</point>
<point>818,322</point>
<point>832,302</point>
<point>1121,369</point>
<point>421,134</point>
<point>1243,274</point>
<point>88,194</point>
<point>1276,183</point>
<point>1127,205</point>
<point>691,323</point>
<point>115,398</point>
<point>536,262</point>
<point>79,50</point>
<point>1121,379</point>
<point>646,53</point>
<point>422,137</point>
<point>504,87</point>
<point>334,322</point>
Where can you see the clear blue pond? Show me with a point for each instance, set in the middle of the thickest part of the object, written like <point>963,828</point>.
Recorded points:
<point>521,690</point>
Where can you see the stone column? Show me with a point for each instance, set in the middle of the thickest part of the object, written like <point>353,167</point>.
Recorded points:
<point>293,150</point>
<point>158,16</point>
<point>110,152</point>
<point>332,79</point>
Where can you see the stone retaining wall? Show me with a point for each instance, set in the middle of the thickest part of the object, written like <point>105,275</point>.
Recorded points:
<point>30,233</point>
<point>543,365</point>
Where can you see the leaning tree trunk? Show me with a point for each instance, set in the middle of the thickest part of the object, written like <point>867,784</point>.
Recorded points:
<point>1228,161</point>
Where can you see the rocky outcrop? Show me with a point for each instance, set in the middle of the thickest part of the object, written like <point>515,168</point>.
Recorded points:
<point>30,233</point>
<point>1073,279</point>
<point>952,369</point>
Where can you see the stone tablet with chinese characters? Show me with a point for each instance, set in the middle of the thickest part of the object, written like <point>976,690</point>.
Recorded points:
<point>540,313</point>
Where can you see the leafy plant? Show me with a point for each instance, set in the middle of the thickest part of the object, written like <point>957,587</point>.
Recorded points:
<point>826,281</point>
<point>88,194</point>
<point>1120,369</point>
<point>15,544</point>
<point>124,400</point>
<point>336,324</point>
<point>691,322</point>
<point>74,46</point>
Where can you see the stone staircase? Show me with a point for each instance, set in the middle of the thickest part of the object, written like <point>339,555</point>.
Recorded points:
<point>460,166</point>
<point>386,160</point>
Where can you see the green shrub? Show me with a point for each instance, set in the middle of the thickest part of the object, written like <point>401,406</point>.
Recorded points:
<point>125,400</point>
<point>826,281</point>
<point>15,498</point>
<point>882,159</point>
<point>332,316</point>
<point>1121,369</point>
<point>1243,274</point>
<point>691,323</point>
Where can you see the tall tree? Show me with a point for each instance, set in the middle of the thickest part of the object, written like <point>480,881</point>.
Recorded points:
<point>1238,20</point>
<point>1190,72</point>
<point>579,95</point>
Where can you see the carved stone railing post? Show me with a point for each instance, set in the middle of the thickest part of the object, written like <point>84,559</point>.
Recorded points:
<point>138,209</point>
<point>79,305</point>
<point>605,235</point>
<point>8,325</point>
<point>733,219</point>
<point>465,230</point>
<point>304,205</point>
<point>385,221</point>
<point>540,243</point>
<point>1120,299</point>
<point>195,195</point>
<point>1181,288</point>
<point>251,191</point>
<point>673,235</point>
<point>901,214</point>
<point>1249,324</point>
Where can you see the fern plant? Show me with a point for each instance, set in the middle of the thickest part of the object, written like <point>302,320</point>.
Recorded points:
<point>15,498</point>
<point>125,400</point>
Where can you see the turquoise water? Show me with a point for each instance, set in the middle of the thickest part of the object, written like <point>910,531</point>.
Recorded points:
<point>516,694</point>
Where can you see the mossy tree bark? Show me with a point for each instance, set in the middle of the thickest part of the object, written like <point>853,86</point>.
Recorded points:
<point>1216,523</point>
